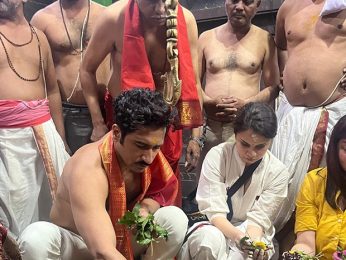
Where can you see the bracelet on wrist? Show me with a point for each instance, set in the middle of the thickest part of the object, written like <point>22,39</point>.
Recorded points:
<point>198,140</point>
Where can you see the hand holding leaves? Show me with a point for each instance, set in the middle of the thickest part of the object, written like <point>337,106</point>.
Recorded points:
<point>146,230</point>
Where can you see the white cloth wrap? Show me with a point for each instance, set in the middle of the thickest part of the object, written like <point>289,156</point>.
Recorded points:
<point>333,6</point>
<point>293,144</point>
<point>24,190</point>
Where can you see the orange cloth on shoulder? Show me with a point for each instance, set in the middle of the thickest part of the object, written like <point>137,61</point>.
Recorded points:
<point>136,71</point>
<point>158,183</point>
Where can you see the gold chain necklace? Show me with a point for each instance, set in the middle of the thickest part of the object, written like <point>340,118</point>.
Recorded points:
<point>83,31</point>
<point>33,32</point>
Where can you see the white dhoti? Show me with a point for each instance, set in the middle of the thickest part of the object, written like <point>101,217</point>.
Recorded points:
<point>25,196</point>
<point>293,144</point>
<point>43,240</point>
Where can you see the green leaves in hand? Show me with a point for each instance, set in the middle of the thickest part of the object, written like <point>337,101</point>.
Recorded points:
<point>146,229</point>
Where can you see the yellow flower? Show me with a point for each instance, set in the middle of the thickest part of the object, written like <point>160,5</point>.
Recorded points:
<point>260,245</point>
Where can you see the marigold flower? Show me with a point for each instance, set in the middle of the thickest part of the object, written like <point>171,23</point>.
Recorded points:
<point>260,245</point>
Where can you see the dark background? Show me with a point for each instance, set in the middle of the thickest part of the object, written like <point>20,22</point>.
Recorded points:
<point>208,13</point>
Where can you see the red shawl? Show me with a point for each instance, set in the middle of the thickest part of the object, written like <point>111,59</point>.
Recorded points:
<point>136,70</point>
<point>158,183</point>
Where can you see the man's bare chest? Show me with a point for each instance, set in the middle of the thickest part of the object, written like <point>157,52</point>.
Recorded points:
<point>18,58</point>
<point>64,36</point>
<point>157,55</point>
<point>132,186</point>
<point>240,57</point>
<point>306,23</point>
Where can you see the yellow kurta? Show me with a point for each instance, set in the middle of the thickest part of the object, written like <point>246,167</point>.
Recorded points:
<point>315,214</point>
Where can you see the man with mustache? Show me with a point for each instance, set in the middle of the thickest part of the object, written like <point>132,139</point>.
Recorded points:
<point>134,32</point>
<point>103,180</point>
<point>32,151</point>
<point>68,25</point>
<point>233,59</point>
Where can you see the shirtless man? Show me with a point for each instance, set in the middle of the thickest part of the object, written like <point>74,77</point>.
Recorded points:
<point>31,124</point>
<point>65,23</point>
<point>233,58</point>
<point>312,99</point>
<point>104,179</point>
<point>108,37</point>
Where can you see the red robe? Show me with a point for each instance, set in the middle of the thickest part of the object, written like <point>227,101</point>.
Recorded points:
<point>136,72</point>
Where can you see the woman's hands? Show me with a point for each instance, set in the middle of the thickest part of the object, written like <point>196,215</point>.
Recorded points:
<point>257,250</point>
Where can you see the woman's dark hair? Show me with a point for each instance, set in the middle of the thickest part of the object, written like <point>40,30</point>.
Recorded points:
<point>257,116</point>
<point>140,108</point>
<point>336,177</point>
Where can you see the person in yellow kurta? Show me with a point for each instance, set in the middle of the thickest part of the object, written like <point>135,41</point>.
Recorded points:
<point>321,203</point>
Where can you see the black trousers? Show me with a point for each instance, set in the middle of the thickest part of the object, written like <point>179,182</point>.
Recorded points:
<point>78,125</point>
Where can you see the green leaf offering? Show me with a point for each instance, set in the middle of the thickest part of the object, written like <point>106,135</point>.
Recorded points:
<point>146,229</point>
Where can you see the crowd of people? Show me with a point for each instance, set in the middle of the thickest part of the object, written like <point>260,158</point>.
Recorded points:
<point>97,131</point>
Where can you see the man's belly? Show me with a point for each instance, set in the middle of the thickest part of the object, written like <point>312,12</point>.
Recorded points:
<point>222,86</point>
<point>14,88</point>
<point>69,85</point>
<point>310,77</point>
<point>114,84</point>
<point>233,84</point>
<point>74,93</point>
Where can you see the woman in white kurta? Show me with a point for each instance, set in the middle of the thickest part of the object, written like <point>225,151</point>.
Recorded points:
<point>254,204</point>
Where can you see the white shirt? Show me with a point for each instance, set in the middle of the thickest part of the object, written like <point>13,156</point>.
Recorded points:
<point>268,188</point>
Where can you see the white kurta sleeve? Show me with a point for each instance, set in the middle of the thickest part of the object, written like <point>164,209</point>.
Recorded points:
<point>211,192</point>
<point>275,187</point>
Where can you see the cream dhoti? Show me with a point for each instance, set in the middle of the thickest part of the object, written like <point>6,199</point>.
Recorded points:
<point>294,141</point>
<point>32,156</point>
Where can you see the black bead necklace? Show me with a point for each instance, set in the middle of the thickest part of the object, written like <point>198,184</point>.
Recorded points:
<point>33,32</point>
